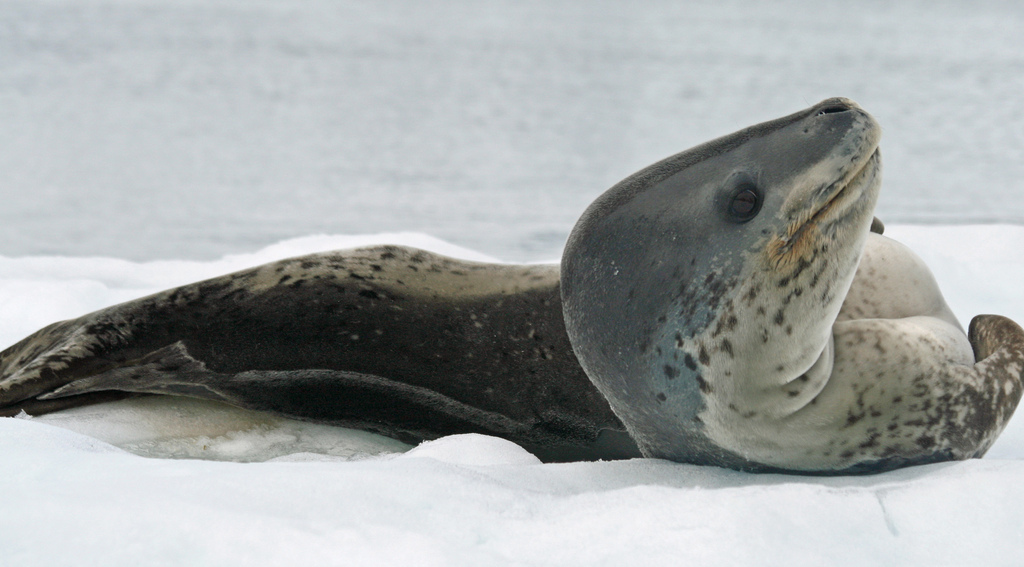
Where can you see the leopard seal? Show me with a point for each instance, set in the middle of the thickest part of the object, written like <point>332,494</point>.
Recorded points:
<point>747,302</point>
<point>729,306</point>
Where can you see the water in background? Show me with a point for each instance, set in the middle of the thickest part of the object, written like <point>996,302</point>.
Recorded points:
<point>163,129</point>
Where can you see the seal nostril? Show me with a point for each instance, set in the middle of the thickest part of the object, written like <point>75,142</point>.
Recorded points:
<point>833,109</point>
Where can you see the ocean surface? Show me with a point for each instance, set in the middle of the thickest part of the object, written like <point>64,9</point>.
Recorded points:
<point>158,129</point>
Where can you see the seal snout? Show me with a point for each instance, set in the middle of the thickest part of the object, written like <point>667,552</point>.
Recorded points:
<point>837,184</point>
<point>835,105</point>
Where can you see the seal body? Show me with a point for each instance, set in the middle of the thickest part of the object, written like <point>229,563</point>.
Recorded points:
<point>726,306</point>
<point>390,339</point>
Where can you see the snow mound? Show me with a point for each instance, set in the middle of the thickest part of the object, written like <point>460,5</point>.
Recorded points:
<point>474,450</point>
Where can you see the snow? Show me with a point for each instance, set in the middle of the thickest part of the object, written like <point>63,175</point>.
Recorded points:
<point>178,482</point>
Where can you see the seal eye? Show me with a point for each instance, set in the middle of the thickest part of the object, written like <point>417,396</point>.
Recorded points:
<point>745,203</point>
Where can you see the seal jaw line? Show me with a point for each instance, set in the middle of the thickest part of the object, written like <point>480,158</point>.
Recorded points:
<point>783,248</point>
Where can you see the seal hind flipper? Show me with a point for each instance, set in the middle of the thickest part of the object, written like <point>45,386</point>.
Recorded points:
<point>40,407</point>
<point>168,370</point>
<point>991,333</point>
<point>998,345</point>
<point>39,362</point>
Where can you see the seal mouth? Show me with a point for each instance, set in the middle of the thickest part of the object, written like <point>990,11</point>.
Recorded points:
<point>844,191</point>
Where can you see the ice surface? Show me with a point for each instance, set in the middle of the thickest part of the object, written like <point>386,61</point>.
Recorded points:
<point>74,492</point>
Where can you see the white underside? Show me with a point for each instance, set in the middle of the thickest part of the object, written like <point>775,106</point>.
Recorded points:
<point>894,325</point>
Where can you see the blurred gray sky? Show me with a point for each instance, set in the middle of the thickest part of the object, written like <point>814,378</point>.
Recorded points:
<point>165,129</point>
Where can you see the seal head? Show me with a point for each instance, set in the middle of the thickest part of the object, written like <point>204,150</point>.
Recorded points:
<point>701,291</point>
<point>733,306</point>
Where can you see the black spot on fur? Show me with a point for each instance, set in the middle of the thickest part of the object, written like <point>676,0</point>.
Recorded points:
<point>369,294</point>
<point>925,442</point>
<point>727,347</point>
<point>703,384</point>
<point>661,397</point>
<point>689,362</point>
<point>702,356</point>
<point>671,372</point>
<point>751,295</point>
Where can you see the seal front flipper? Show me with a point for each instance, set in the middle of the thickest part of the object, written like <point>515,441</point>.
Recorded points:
<point>876,226</point>
<point>325,396</point>
<point>399,410</point>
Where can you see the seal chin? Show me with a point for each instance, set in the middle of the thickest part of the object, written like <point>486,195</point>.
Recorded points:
<point>847,194</point>
<point>844,203</point>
